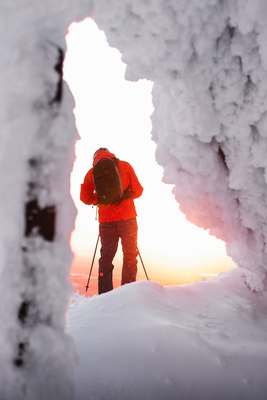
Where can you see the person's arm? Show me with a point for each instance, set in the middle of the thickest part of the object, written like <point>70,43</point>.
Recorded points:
<point>135,188</point>
<point>87,194</point>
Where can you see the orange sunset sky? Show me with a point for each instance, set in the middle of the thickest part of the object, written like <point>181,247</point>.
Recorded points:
<point>115,113</point>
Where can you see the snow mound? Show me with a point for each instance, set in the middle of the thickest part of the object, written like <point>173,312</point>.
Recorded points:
<point>145,341</point>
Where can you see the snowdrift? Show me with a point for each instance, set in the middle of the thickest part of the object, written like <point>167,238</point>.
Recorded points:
<point>145,341</point>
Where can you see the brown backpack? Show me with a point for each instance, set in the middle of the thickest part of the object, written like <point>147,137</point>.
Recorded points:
<point>107,181</point>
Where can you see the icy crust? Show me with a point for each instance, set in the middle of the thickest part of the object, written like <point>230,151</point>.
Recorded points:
<point>208,62</point>
<point>205,341</point>
<point>36,155</point>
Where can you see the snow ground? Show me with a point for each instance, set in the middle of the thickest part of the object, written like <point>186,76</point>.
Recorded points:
<point>145,341</point>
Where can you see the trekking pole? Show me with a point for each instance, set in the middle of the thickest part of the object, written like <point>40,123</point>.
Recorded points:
<point>143,264</point>
<point>92,263</point>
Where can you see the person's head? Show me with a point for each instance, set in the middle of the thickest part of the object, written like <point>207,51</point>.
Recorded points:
<point>100,149</point>
<point>100,153</point>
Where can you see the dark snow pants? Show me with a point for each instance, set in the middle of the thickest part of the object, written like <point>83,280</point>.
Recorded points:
<point>110,233</point>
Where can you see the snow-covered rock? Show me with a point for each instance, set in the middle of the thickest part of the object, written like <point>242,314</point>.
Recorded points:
<point>36,154</point>
<point>208,62</point>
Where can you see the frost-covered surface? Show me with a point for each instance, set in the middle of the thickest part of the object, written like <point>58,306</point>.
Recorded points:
<point>143,341</point>
<point>208,62</point>
<point>36,151</point>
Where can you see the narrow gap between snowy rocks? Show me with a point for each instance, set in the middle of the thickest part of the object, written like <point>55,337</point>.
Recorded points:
<point>115,113</point>
<point>149,341</point>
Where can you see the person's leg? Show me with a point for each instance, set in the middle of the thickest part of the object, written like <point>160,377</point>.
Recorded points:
<point>109,243</point>
<point>128,234</point>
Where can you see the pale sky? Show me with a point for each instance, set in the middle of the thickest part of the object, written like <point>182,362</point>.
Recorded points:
<point>115,113</point>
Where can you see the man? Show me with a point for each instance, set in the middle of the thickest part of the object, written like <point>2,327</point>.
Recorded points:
<point>116,221</point>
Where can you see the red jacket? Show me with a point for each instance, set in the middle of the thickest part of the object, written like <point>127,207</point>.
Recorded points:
<point>113,212</point>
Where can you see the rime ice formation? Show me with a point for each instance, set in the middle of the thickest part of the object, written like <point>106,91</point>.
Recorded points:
<point>208,61</point>
<point>36,151</point>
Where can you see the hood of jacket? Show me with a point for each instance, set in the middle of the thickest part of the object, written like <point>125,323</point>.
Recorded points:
<point>100,154</point>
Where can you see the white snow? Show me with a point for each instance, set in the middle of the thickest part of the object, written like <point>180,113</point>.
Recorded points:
<point>36,155</point>
<point>144,341</point>
<point>208,62</point>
